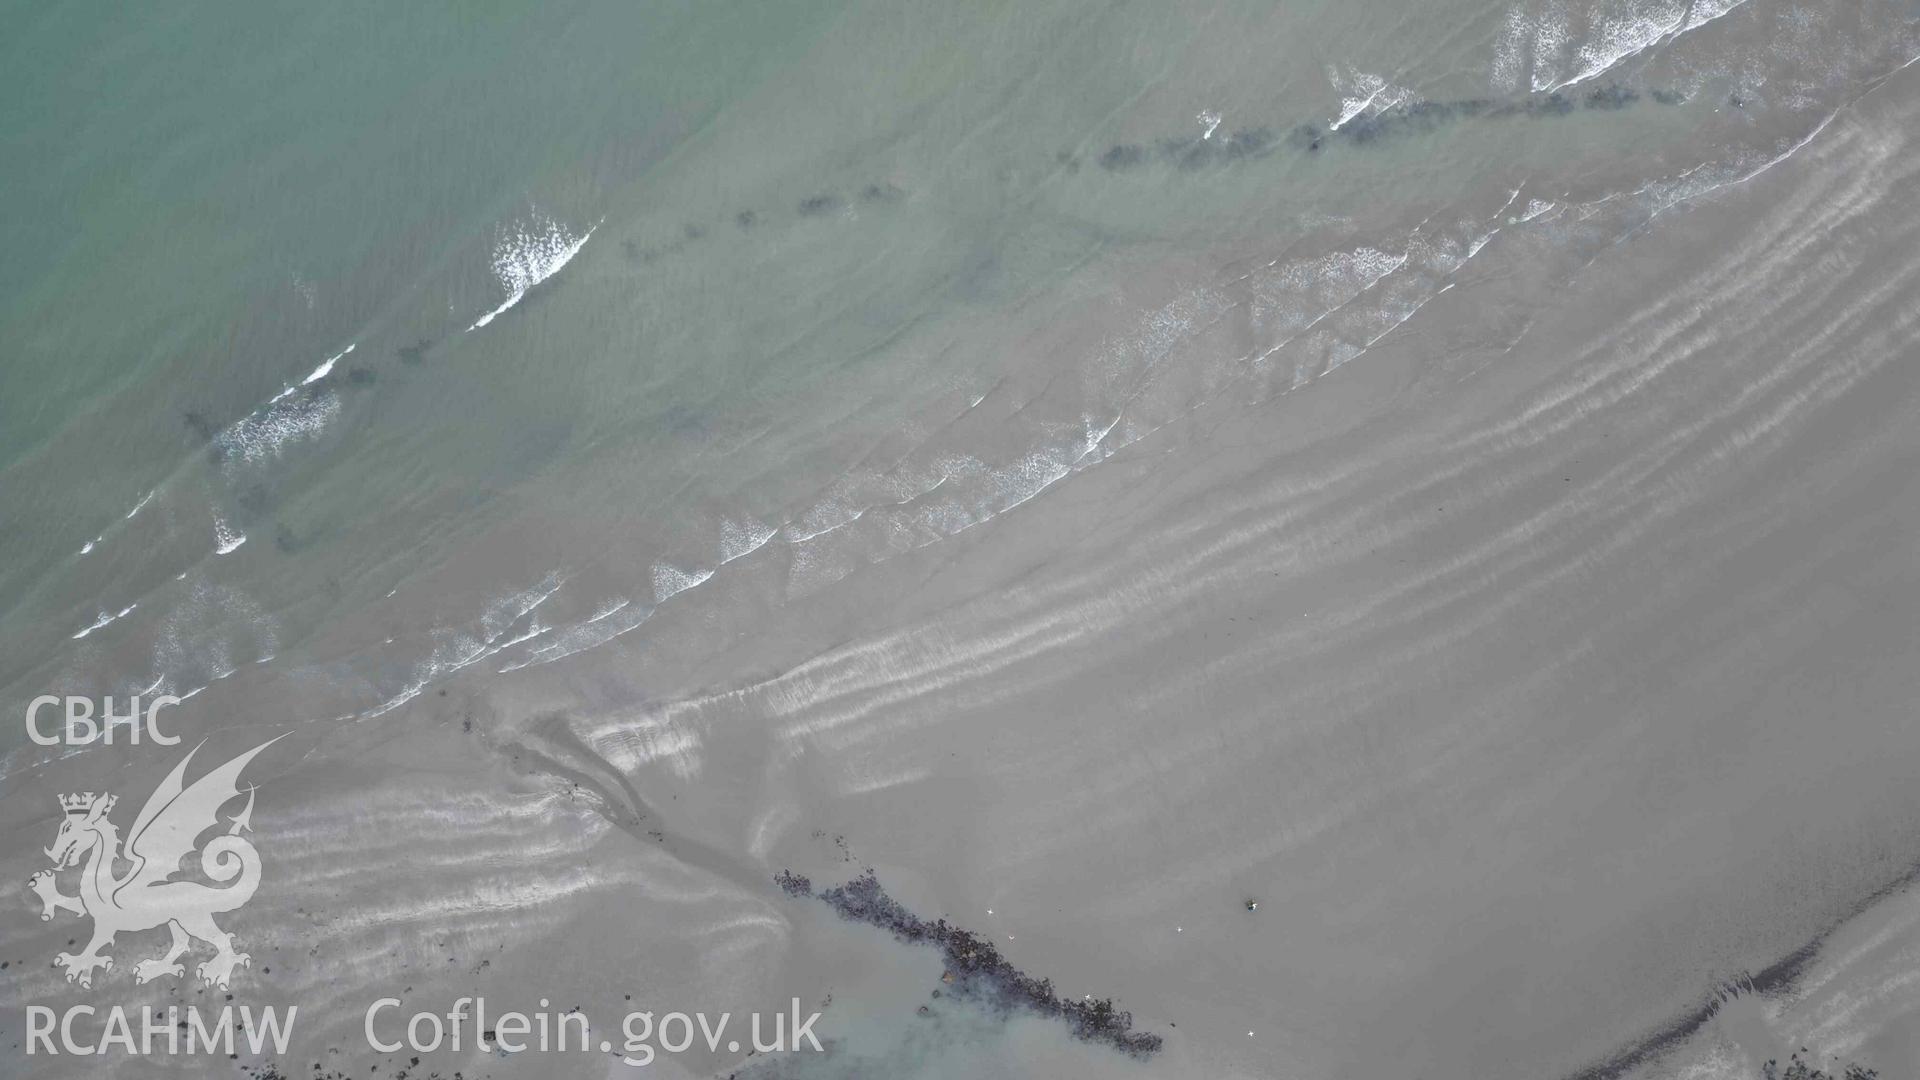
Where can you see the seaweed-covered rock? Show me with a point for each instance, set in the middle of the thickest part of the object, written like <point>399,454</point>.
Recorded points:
<point>975,968</point>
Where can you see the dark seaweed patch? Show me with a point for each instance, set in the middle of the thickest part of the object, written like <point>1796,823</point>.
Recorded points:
<point>1776,978</point>
<point>1247,143</point>
<point>1611,96</point>
<point>203,429</point>
<point>1239,146</point>
<point>1427,115</point>
<point>1187,153</point>
<point>1800,1070</point>
<point>975,968</point>
<point>416,352</point>
<point>1420,116</point>
<point>254,500</point>
<point>816,205</point>
<point>1554,104</point>
<point>1361,130</point>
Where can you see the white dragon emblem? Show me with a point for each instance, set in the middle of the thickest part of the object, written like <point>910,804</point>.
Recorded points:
<point>165,832</point>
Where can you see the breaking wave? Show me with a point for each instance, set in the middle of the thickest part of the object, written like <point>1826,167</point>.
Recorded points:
<point>529,253</point>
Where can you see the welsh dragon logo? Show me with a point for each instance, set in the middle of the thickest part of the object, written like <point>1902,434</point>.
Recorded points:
<point>164,833</point>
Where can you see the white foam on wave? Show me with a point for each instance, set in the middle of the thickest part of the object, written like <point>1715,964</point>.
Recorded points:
<point>1361,93</point>
<point>742,538</point>
<point>1621,30</point>
<point>528,254</point>
<point>105,618</point>
<point>1557,45</point>
<point>321,372</point>
<point>671,580</point>
<point>834,512</point>
<point>87,548</point>
<point>227,539</point>
<point>264,433</point>
<point>610,622</point>
<point>326,368</point>
<point>1510,54</point>
<point>1327,283</point>
<point>614,618</point>
<point>212,631</point>
<point>1535,207</point>
<point>609,611</point>
<point>455,650</point>
<point>1547,40</point>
